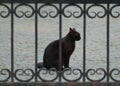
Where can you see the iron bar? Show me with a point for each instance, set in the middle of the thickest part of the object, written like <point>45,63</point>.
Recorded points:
<point>108,37</point>
<point>84,43</point>
<point>60,42</point>
<point>12,44</point>
<point>36,41</point>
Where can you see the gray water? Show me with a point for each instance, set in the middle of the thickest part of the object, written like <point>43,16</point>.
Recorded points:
<point>48,31</point>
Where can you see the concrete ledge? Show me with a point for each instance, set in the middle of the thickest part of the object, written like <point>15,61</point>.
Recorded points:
<point>59,84</point>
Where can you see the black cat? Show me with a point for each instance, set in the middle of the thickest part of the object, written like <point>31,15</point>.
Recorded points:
<point>51,53</point>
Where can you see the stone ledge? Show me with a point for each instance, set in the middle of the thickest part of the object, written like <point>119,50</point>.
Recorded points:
<point>58,84</point>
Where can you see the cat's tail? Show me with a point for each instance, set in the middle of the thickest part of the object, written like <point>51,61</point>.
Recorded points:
<point>40,65</point>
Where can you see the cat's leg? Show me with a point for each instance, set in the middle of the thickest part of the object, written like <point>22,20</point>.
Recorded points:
<point>58,65</point>
<point>66,62</point>
<point>40,65</point>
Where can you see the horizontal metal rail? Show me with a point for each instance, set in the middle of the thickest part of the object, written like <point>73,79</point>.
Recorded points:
<point>60,1</point>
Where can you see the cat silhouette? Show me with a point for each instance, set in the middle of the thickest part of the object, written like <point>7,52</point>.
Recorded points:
<point>51,53</point>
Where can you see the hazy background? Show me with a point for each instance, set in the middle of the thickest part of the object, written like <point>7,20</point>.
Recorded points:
<point>48,31</point>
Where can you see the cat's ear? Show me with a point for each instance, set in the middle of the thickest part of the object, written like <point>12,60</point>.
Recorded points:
<point>74,29</point>
<point>70,29</point>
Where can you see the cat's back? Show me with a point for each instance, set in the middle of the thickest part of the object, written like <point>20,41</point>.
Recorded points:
<point>52,45</point>
<point>52,48</point>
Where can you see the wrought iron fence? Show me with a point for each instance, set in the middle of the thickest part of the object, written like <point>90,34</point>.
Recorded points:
<point>11,10</point>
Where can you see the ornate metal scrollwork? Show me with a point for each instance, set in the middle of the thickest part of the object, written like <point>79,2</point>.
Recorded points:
<point>77,13</point>
<point>4,13</point>
<point>77,74</point>
<point>6,74</point>
<point>48,12</point>
<point>100,72</point>
<point>115,13</point>
<point>115,74</point>
<point>24,12</point>
<point>48,75</point>
<point>28,75</point>
<point>98,13</point>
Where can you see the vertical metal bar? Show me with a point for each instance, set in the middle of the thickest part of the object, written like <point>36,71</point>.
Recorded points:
<point>36,41</point>
<point>108,62</point>
<point>12,44</point>
<point>60,43</point>
<point>84,43</point>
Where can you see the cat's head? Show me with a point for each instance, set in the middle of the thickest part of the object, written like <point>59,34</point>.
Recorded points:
<point>74,35</point>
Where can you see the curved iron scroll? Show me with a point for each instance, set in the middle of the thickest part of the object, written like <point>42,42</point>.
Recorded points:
<point>27,13</point>
<point>115,13</point>
<point>6,73</point>
<point>77,73</point>
<point>98,13</point>
<point>27,73</point>
<point>4,13</point>
<point>48,75</point>
<point>98,72</point>
<point>45,13</point>
<point>75,13</point>
<point>114,73</point>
